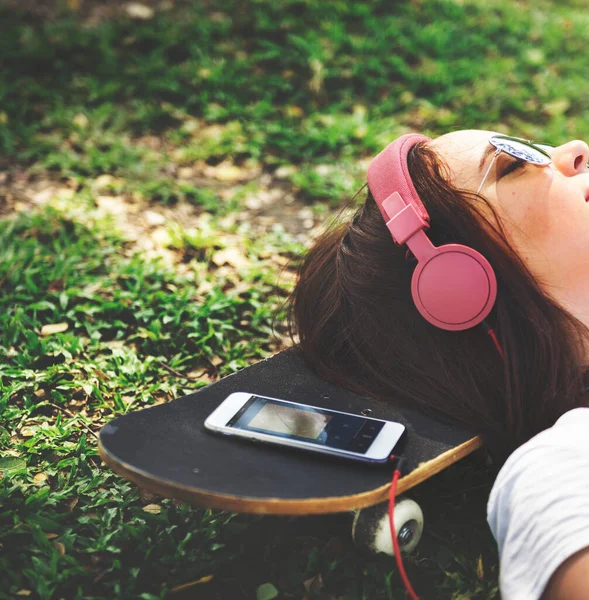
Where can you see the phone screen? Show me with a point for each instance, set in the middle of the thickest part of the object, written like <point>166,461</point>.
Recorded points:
<point>308,424</point>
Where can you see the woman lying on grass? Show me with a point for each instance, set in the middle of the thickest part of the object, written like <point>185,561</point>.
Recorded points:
<point>360,327</point>
<point>490,332</point>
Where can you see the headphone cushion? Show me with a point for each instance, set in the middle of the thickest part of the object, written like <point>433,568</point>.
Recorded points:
<point>455,288</point>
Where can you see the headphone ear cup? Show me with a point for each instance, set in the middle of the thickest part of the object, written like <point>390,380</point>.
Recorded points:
<point>455,289</point>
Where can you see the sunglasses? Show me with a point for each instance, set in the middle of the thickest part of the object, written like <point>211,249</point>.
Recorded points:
<point>523,150</point>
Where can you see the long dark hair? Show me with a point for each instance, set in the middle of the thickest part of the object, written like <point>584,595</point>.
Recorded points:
<point>357,325</point>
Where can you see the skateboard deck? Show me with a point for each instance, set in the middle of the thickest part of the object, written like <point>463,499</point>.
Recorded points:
<point>166,449</point>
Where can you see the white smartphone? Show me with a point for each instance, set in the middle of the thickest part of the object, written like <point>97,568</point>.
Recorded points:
<point>275,421</point>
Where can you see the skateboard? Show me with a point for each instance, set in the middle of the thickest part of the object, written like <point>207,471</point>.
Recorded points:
<point>166,449</point>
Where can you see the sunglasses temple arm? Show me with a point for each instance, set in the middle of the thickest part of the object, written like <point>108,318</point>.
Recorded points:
<point>488,170</point>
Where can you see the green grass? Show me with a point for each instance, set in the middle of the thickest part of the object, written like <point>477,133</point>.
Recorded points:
<point>216,107</point>
<point>257,82</point>
<point>127,320</point>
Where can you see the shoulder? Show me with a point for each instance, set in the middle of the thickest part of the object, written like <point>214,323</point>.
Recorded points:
<point>538,509</point>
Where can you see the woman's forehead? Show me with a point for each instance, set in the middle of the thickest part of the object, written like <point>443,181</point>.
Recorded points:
<point>462,151</point>
<point>463,141</point>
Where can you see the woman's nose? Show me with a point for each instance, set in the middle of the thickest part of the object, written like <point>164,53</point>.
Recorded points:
<point>571,158</point>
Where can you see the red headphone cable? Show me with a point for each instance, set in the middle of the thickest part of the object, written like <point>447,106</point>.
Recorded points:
<point>489,330</point>
<point>398,468</point>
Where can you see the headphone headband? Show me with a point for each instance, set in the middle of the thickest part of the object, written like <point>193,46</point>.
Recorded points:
<point>388,173</point>
<point>454,287</point>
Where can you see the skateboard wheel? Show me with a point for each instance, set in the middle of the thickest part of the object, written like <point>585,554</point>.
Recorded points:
<point>371,530</point>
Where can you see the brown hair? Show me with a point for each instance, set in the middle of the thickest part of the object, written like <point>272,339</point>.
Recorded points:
<point>358,327</point>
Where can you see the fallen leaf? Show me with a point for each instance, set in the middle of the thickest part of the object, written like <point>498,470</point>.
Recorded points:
<point>216,361</point>
<point>285,171</point>
<point>161,236</point>
<point>137,10</point>
<point>40,478</point>
<point>153,219</point>
<point>81,120</point>
<point>100,375</point>
<point>325,170</point>
<point>186,172</point>
<point>205,287</point>
<point>44,195</point>
<point>231,256</point>
<point>480,570</point>
<point>253,202</point>
<point>191,125</point>
<point>281,261</point>
<point>112,204</point>
<point>59,547</point>
<point>315,584</point>
<point>228,173</point>
<point>154,509</point>
<point>23,592</point>
<point>51,536</point>
<point>54,328</point>
<point>213,132</point>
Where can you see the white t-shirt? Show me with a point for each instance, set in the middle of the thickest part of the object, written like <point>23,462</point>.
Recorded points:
<point>538,510</point>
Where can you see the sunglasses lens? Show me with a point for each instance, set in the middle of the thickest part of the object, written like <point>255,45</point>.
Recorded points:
<point>521,150</point>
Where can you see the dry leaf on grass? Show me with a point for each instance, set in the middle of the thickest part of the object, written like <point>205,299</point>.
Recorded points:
<point>315,584</point>
<point>161,237</point>
<point>153,219</point>
<point>231,256</point>
<point>59,547</point>
<point>227,171</point>
<point>216,361</point>
<point>81,120</point>
<point>480,568</point>
<point>54,328</point>
<point>140,11</point>
<point>112,204</point>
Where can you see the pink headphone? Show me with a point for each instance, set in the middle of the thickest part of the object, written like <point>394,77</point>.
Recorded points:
<point>453,286</point>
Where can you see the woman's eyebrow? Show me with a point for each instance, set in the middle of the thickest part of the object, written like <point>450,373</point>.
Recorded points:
<point>490,150</point>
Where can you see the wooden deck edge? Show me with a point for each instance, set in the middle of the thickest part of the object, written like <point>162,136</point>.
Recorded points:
<point>278,506</point>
